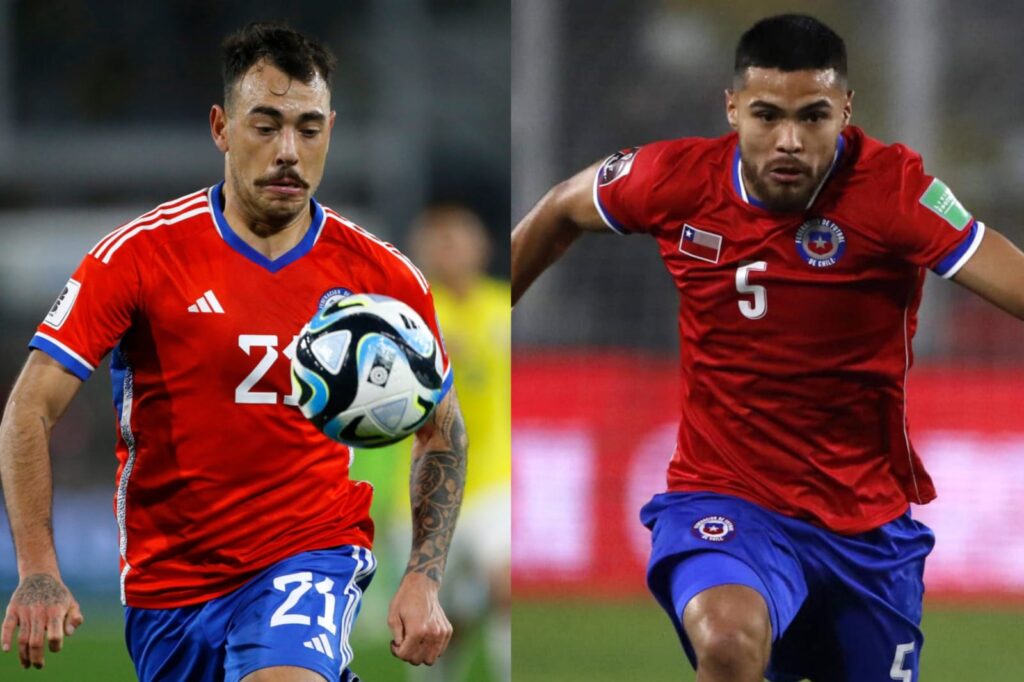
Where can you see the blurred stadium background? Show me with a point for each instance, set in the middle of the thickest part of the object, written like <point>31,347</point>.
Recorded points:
<point>104,115</point>
<point>595,384</point>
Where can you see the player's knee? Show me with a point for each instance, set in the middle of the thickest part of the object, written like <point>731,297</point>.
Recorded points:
<point>730,634</point>
<point>731,649</point>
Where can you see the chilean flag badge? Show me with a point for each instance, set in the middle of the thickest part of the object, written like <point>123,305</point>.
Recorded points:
<point>700,244</point>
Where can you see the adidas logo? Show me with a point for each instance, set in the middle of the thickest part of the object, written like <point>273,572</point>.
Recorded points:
<point>207,303</point>
<point>321,644</point>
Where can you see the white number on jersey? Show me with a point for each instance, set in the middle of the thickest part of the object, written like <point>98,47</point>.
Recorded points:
<point>243,392</point>
<point>898,672</point>
<point>752,310</point>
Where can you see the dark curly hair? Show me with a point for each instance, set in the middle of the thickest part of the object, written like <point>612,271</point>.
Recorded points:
<point>298,56</point>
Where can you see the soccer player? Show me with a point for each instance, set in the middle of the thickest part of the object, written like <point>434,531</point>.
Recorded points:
<point>784,546</point>
<point>244,546</point>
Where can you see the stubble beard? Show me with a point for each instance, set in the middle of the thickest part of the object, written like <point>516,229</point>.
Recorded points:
<point>780,198</point>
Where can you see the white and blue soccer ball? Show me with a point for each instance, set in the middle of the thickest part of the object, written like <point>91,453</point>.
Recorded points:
<point>368,370</point>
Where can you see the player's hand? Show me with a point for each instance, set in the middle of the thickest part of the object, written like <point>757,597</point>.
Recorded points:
<point>419,628</point>
<point>41,608</point>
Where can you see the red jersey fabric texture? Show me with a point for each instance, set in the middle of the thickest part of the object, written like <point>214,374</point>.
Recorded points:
<point>219,474</point>
<point>795,328</point>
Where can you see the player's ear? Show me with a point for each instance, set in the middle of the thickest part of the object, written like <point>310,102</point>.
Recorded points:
<point>731,112</point>
<point>848,108</point>
<point>330,121</point>
<point>218,127</point>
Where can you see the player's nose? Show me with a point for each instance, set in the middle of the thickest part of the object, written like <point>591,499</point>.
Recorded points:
<point>788,140</point>
<point>287,150</point>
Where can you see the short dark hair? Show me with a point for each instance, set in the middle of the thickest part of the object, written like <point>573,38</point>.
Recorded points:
<point>790,42</point>
<point>297,55</point>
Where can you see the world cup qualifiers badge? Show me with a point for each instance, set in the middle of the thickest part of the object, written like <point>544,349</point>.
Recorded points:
<point>713,529</point>
<point>820,243</point>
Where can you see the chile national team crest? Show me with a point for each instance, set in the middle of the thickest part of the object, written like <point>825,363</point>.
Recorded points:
<point>332,295</point>
<point>714,529</point>
<point>820,242</point>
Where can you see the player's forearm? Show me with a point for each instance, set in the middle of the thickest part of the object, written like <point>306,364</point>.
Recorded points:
<point>996,273</point>
<point>539,240</point>
<point>436,483</point>
<point>28,486</point>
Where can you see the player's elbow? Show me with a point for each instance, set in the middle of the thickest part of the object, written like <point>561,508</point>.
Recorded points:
<point>573,207</point>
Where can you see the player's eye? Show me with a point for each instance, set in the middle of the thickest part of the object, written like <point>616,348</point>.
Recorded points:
<point>264,130</point>
<point>765,115</point>
<point>815,117</point>
<point>310,132</point>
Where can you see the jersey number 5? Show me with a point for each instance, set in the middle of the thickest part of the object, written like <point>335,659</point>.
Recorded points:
<point>752,310</point>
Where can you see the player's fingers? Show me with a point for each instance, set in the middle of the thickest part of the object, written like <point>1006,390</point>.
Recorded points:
<point>436,641</point>
<point>24,632</point>
<point>411,648</point>
<point>37,634</point>
<point>407,649</point>
<point>430,641</point>
<point>397,628</point>
<point>446,640</point>
<point>55,630</point>
<point>73,619</point>
<point>7,632</point>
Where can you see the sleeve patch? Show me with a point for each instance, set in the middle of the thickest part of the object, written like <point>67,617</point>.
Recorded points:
<point>62,306</point>
<point>616,166</point>
<point>940,200</point>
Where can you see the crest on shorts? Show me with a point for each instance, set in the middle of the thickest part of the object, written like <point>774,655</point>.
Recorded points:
<point>714,529</point>
<point>820,243</point>
<point>616,166</point>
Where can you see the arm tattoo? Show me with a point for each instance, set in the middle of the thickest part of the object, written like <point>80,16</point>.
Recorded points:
<point>40,588</point>
<point>436,482</point>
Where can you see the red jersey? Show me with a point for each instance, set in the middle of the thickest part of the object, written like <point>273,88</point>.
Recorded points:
<point>219,473</point>
<point>795,328</point>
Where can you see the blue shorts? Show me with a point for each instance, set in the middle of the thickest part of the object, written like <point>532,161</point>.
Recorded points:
<point>842,607</point>
<point>298,612</point>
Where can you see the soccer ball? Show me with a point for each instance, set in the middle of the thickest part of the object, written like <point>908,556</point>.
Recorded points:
<point>367,370</point>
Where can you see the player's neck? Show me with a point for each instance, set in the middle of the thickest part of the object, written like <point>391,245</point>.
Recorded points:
<point>270,239</point>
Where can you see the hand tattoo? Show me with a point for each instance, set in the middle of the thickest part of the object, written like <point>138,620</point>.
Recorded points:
<point>436,482</point>
<point>40,588</point>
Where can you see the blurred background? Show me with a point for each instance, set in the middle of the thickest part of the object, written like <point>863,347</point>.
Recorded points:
<point>105,115</point>
<point>595,401</point>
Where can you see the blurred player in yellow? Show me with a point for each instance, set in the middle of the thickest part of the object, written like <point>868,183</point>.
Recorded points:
<point>450,243</point>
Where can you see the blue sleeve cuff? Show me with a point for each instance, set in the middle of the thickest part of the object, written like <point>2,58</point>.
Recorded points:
<point>955,259</point>
<point>71,360</point>
<point>447,383</point>
<point>606,217</point>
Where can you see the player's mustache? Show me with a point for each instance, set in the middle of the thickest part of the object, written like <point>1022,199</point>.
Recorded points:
<point>284,175</point>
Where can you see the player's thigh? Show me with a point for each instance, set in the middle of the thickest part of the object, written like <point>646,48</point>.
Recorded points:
<point>299,613</point>
<point>284,673</point>
<point>174,644</point>
<point>878,643</point>
<point>873,599</point>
